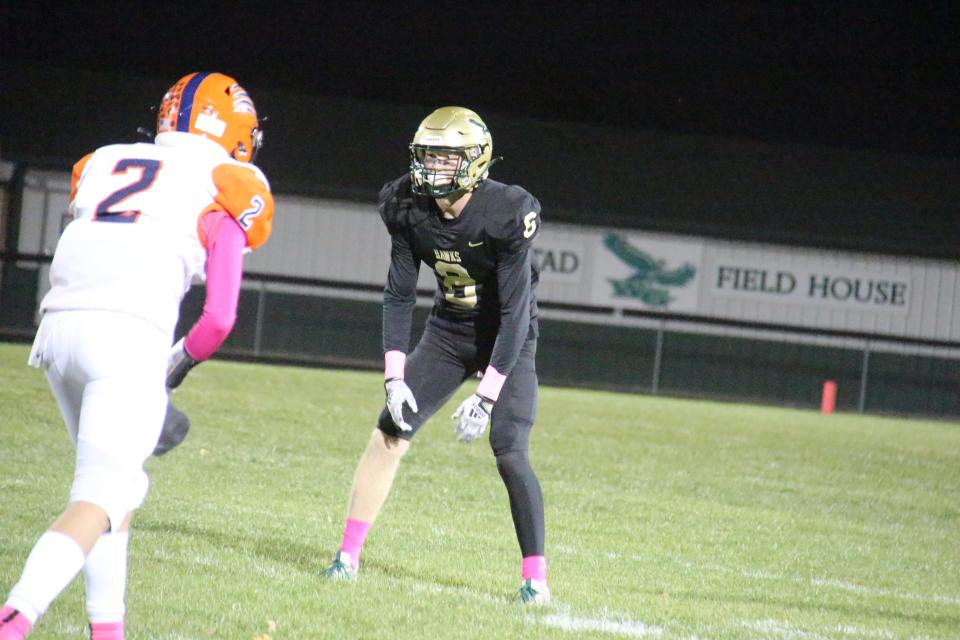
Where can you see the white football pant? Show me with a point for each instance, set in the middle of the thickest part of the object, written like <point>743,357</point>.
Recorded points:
<point>107,372</point>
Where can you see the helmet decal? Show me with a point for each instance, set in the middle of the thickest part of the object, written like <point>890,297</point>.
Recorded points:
<point>479,124</point>
<point>186,101</point>
<point>242,103</point>
<point>208,122</point>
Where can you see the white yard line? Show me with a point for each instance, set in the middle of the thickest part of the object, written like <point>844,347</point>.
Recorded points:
<point>784,630</point>
<point>559,617</point>
<point>904,595</point>
<point>618,625</point>
<point>780,629</point>
<point>860,632</point>
<point>827,582</point>
<point>849,586</point>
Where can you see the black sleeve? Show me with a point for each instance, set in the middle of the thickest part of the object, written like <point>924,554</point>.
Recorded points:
<point>513,235</point>
<point>513,280</point>
<point>399,295</point>
<point>519,223</point>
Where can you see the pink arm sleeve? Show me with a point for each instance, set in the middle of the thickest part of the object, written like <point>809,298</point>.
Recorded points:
<point>225,243</point>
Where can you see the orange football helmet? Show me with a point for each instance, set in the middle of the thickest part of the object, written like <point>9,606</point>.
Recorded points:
<point>214,106</point>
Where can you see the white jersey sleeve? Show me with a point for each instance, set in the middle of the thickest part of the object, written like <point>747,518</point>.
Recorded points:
<point>134,245</point>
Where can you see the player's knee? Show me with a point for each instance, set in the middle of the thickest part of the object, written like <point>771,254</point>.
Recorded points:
<point>507,441</point>
<point>391,432</point>
<point>113,485</point>
<point>388,444</point>
<point>513,463</point>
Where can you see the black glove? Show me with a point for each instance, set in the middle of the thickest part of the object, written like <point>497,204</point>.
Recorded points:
<point>179,364</point>
<point>176,424</point>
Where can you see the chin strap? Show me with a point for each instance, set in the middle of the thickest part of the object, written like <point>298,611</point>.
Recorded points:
<point>490,166</point>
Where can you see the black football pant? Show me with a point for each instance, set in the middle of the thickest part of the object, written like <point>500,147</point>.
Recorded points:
<point>444,358</point>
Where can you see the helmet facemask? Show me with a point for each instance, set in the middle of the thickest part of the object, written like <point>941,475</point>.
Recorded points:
<point>440,171</point>
<point>256,141</point>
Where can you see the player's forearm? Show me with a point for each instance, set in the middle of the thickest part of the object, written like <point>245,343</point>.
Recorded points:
<point>397,326</point>
<point>224,273</point>
<point>398,304</point>
<point>510,338</point>
<point>513,276</point>
<point>399,299</point>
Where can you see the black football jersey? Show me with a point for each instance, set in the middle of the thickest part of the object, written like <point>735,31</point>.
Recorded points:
<point>482,260</point>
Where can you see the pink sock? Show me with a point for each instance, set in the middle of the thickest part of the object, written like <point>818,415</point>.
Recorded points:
<point>354,533</point>
<point>13,624</point>
<point>106,630</point>
<point>535,567</point>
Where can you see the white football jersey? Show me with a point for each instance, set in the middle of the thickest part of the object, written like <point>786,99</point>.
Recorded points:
<point>135,244</point>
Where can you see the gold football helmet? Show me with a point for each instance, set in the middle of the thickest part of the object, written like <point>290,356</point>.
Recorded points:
<point>451,151</point>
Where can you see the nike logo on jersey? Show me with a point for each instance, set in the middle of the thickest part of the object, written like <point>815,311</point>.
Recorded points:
<point>474,244</point>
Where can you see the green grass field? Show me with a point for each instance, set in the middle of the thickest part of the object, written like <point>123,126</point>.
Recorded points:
<point>666,518</point>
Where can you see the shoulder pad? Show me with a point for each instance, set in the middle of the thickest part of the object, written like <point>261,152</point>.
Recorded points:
<point>399,207</point>
<point>77,173</point>
<point>243,192</point>
<point>515,219</point>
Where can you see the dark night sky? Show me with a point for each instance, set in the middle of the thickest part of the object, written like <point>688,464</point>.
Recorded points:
<point>831,73</point>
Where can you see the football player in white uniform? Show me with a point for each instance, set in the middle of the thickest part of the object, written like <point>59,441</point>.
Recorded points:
<point>149,220</point>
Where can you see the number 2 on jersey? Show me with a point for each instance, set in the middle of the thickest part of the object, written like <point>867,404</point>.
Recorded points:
<point>148,174</point>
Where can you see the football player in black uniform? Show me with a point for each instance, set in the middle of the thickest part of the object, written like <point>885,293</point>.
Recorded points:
<point>475,234</point>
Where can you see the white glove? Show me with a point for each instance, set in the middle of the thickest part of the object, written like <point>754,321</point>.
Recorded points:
<point>398,393</point>
<point>473,414</point>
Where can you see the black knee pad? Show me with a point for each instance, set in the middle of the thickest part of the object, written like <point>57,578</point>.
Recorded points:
<point>510,437</point>
<point>512,464</point>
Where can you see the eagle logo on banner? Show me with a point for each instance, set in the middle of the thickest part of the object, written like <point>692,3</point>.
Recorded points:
<point>650,280</point>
